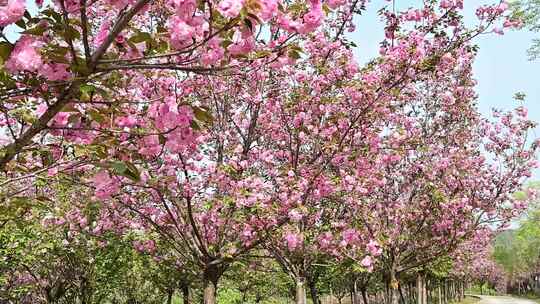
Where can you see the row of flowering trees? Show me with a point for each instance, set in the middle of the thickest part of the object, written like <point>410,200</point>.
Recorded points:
<point>209,134</point>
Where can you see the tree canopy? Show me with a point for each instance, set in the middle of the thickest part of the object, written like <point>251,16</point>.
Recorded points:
<point>236,149</point>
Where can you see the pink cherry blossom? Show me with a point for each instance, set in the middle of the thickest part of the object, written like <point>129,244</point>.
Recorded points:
<point>268,9</point>
<point>11,11</point>
<point>350,236</point>
<point>181,32</point>
<point>367,262</point>
<point>105,185</point>
<point>230,8</point>
<point>374,248</point>
<point>55,71</point>
<point>295,215</point>
<point>293,241</point>
<point>25,56</point>
<point>102,32</point>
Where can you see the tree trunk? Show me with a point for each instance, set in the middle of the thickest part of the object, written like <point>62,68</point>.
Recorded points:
<point>394,288</point>
<point>387,294</point>
<point>424,291</point>
<point>355,296</point>
<point>364,295</point>
<point>313,292</point>
<point>401,295</point>
<point>185,293</point>
<point>211,277</point>
<point>169,296</point>
<point>419,297</point>
<point>300,291</point>
<point>209,296</point>
<point>440,294</point>
<point>410,291</point>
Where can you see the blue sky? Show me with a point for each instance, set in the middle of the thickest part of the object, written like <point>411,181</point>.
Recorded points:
<point>502,67</point>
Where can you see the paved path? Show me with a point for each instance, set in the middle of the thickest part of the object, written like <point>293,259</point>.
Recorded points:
<point>503,300</point>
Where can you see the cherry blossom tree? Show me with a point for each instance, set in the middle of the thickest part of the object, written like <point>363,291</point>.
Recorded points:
<point>213,129</point>
<point>446,172</point>
<point>71,57</point>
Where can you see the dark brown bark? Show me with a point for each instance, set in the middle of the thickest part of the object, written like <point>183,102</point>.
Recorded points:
<point>364,295</point>
<point>185,293</point>
<point>401,294</point>
<point>211,276</point>
<point>394,287</point>
<point>354,293</point>
<point>314,293</point>
<point>169,296</point>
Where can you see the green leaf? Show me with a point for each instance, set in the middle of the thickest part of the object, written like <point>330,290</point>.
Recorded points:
<point>5,50</point>
<point>96,116</point>
<point>57,54</point>
<point>294,54</point>
<point>70,107</point>
<point>125,169</point>
<point>86,91</point>
<point>71,33</point>
<point>141,37</point>
<point>249,24</point>
<point>195,126</point>
<point>162,139</point>
<point>262,54</point>
<point>203,115</point>
<point>133,172</point>
<point>53,14</point>
<point>162,46</point>
<point>87,88</point>
<point>79,150</point>
<point>225,43</point>
<point>36,30</point>
<point>100,151</point>
<point>326,9</point>
<point>21,24</point>
<point>46,157</point>
<point>81,69</point>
